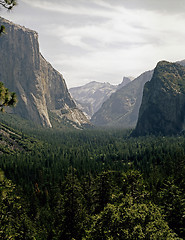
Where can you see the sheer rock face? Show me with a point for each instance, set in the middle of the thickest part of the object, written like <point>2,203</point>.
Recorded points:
<point>122,108</point>
<point>163,105</point>
<point>39,87</point>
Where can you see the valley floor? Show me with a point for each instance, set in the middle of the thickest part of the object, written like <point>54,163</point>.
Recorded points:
<point>93,184</point>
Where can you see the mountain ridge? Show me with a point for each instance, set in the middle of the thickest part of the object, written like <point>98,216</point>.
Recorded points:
<point>122,107</point>
<point>39,87</point>
<point>92,95</point>
<point>162,108</point>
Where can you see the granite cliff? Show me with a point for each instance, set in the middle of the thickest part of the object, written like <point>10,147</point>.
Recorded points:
<point>39,87</point>
<point>163,104</point>
<point>122,107</point>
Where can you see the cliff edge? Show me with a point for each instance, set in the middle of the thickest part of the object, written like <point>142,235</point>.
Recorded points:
<point>162,109</point>
<point>39,87</point>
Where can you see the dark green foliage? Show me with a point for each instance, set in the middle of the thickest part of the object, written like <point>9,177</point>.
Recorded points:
<point>162,107</point>
<point>99,185</point>
<point>130,220</point>
<point>102,191</point>
<point>172,200</point>
<point>71,212</point>
<point>8,4</point>
<point>2,29</point>
<point>14,221</point>
<point>7,98</point>
<point>12,141</point>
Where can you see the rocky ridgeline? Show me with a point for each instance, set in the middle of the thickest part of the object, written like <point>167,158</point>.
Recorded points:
<point>163,105</point>
<point>91,96</point>
<point>122,107</point>
<point>39,87</point>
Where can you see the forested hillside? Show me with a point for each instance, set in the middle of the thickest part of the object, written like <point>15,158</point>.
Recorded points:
<point>12,141</point>
<point>94,184</point>
<point>162,107</point>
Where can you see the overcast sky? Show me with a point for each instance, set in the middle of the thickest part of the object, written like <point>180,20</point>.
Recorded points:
<point>104,40</point>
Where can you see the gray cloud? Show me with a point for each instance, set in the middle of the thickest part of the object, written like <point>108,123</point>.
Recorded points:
<point>171,6</point>
<point>153,5</point>
<point>104,39</point>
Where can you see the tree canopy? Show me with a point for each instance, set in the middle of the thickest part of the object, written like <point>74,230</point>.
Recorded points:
<point>7,98</point>
<point>8,4</point>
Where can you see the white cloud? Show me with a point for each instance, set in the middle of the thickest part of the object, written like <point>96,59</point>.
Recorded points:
<point>90,8</point>
<point>99,40</point>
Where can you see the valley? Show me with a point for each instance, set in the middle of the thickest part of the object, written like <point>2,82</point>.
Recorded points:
<point>68,184</point>
<point>99,161</point>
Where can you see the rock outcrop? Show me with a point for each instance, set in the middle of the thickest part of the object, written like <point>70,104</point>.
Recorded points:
<point>163,105</point>
<point>39,87</point>
<point>122,107</point>
<point>91,96</point>
<point>125,81</point>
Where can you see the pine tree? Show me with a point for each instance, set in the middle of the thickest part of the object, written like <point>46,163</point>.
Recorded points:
<point>7,98</point>
<point>14,221</point>
<point>71,212</point>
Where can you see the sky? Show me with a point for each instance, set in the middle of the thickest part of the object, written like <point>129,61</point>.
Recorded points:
<point>104,40</point>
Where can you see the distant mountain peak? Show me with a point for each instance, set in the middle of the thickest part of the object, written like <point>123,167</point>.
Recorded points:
<point>92,95</point>
<point>122,107</point>
<point>125,81</point>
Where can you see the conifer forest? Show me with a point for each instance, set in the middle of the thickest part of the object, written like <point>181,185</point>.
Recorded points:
<point>109,164</point>
<point>92,184</point>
